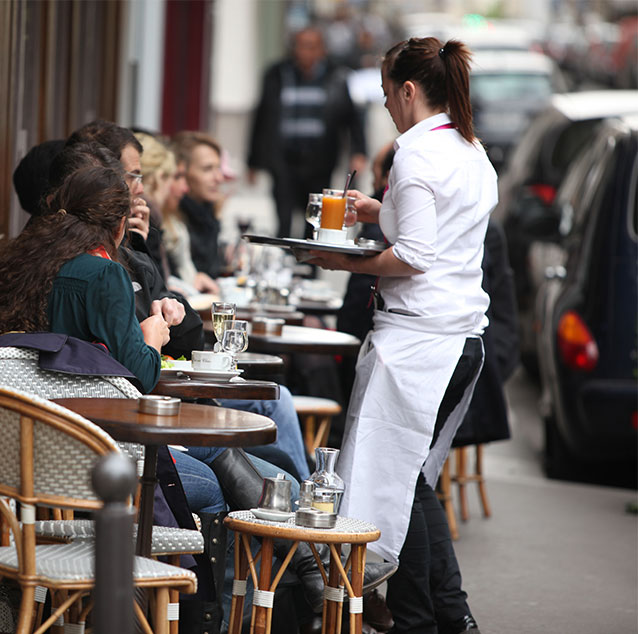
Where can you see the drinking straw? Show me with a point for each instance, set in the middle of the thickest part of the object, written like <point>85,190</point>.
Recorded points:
<point>348,181</point>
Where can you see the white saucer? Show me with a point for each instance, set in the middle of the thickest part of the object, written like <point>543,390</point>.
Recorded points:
<point>185,367</point>
<point>273,516</point>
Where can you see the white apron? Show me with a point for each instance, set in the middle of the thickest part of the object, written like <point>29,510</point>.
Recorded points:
<point>402,374</point>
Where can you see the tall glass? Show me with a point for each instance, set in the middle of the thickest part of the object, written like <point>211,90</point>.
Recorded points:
<point>221,312</point>
<point>333,209</point>
<point>313,212</point>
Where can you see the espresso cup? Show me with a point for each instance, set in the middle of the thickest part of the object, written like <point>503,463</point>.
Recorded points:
<point>207,360</point>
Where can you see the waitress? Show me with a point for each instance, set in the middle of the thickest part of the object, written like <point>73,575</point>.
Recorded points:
<point>418,366</point>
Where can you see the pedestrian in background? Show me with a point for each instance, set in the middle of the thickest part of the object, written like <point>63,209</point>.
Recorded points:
<point>304,115</point>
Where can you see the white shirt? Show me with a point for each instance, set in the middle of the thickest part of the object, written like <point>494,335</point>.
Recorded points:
<point>441,190</point>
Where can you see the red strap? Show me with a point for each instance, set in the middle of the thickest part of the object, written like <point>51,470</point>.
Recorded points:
<point>445,126</point>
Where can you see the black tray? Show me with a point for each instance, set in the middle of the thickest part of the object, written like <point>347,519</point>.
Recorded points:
<point>313,245</point>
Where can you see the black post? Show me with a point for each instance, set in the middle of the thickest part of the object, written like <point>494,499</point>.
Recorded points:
<point>114,480</point>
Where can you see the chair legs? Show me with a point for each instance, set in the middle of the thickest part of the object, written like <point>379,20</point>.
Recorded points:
<point>462,478</point>
<point>444,493</point>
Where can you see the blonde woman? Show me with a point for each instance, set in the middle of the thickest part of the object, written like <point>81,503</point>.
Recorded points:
<point>168,240</point>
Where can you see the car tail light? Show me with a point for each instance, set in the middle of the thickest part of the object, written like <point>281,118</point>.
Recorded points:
<point>546,193</point>
<point>576,344</point>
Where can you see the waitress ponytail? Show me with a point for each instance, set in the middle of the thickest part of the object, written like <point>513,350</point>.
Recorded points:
<point>456,58</point>
<point>442,71</point>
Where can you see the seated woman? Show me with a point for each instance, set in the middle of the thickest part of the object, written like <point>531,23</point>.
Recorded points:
<point>161,179</point>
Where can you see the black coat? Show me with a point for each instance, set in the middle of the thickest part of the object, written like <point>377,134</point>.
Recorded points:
<point>340,116</point>
<point>486,419</point>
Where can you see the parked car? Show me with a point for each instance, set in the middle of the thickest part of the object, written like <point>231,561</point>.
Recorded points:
<point>529,183</point>
<point>588,306</point>
<point>508,88</point>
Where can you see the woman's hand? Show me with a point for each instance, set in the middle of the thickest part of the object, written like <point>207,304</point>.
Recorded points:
<point>331,261</point>
<point>367,208</point>
<point>155,331</point>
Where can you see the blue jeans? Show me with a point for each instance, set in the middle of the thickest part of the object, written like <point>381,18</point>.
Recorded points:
<point>200,483</point>
<point>283,412</point>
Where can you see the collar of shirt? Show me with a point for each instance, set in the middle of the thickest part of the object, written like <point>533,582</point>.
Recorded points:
<point>420,128</point>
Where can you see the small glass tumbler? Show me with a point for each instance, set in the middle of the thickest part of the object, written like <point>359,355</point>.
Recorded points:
<point>313,213</point>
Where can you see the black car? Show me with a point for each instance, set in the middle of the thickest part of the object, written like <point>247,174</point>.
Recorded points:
<point>534,173</point>
<point>588,307</point>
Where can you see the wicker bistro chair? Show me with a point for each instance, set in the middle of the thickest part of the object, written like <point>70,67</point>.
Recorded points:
<point>46,457</point>
<point>19,370</point>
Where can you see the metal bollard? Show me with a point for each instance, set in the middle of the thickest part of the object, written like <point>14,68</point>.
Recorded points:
<point>114,480</point>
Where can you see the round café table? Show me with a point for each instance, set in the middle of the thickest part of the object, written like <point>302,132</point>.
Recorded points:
<point>197,425</point>
<point>186,388</point>
<point>304,339</point>
<point>257,366</point>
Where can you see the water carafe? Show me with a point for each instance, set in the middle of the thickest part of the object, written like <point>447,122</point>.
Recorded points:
<point>329,487</point>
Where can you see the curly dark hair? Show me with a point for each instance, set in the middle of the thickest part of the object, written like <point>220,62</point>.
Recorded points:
<point>86,212</point>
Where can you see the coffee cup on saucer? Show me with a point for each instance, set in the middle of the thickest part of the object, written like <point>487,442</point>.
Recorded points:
<point>209,361</point>
<point>332,236</point>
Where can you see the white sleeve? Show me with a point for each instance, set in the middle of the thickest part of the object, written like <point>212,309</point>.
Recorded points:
<point>414,201</point>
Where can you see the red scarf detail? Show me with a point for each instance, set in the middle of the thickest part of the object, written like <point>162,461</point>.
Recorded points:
<point>100,252</point>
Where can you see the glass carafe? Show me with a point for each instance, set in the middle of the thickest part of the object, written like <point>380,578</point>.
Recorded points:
<point>329,487</point>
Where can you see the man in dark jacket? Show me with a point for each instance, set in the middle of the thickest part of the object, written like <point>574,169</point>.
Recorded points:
<point>304,115</point>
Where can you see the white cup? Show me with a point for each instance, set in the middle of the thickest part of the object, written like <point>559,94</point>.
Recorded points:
<point>207,360</point>
<point>332,236</point>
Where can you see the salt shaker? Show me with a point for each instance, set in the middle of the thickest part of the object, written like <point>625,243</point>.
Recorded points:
<point>306,494</point>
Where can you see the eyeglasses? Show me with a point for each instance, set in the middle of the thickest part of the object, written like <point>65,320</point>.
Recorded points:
<point>135,177</point>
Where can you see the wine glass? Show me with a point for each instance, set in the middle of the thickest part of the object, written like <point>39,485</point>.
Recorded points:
<point>221,312</point>
<point>313,213</point>
<point>235,338</point>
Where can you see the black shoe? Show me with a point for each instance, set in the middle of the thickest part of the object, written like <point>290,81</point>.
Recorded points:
<point>312,582</point>
<point>469,625</point>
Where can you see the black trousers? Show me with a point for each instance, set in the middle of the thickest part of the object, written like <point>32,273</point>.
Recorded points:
<point>425,595</point>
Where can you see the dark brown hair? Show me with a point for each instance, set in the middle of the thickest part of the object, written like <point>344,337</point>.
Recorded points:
<point>442,71</point>
<point>108,134</point>
<point>85,213</point>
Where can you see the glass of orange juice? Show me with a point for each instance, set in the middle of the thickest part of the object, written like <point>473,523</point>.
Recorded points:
<point>333,209</point>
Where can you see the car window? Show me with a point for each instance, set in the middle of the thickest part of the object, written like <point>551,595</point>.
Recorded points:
<point>525,162</point>
<point>489,88</point>
<point>581,183</point>
<point>569,144</point>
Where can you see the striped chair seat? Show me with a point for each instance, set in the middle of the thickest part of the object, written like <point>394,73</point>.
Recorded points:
<point>75,562</point>
<point>166,540</point>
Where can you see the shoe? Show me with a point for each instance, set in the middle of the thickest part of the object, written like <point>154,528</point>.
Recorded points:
<point>469,625</point>
<point>376,613</point>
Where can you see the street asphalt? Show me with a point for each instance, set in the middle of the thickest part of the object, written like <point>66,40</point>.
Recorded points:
<point>555,557</point>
